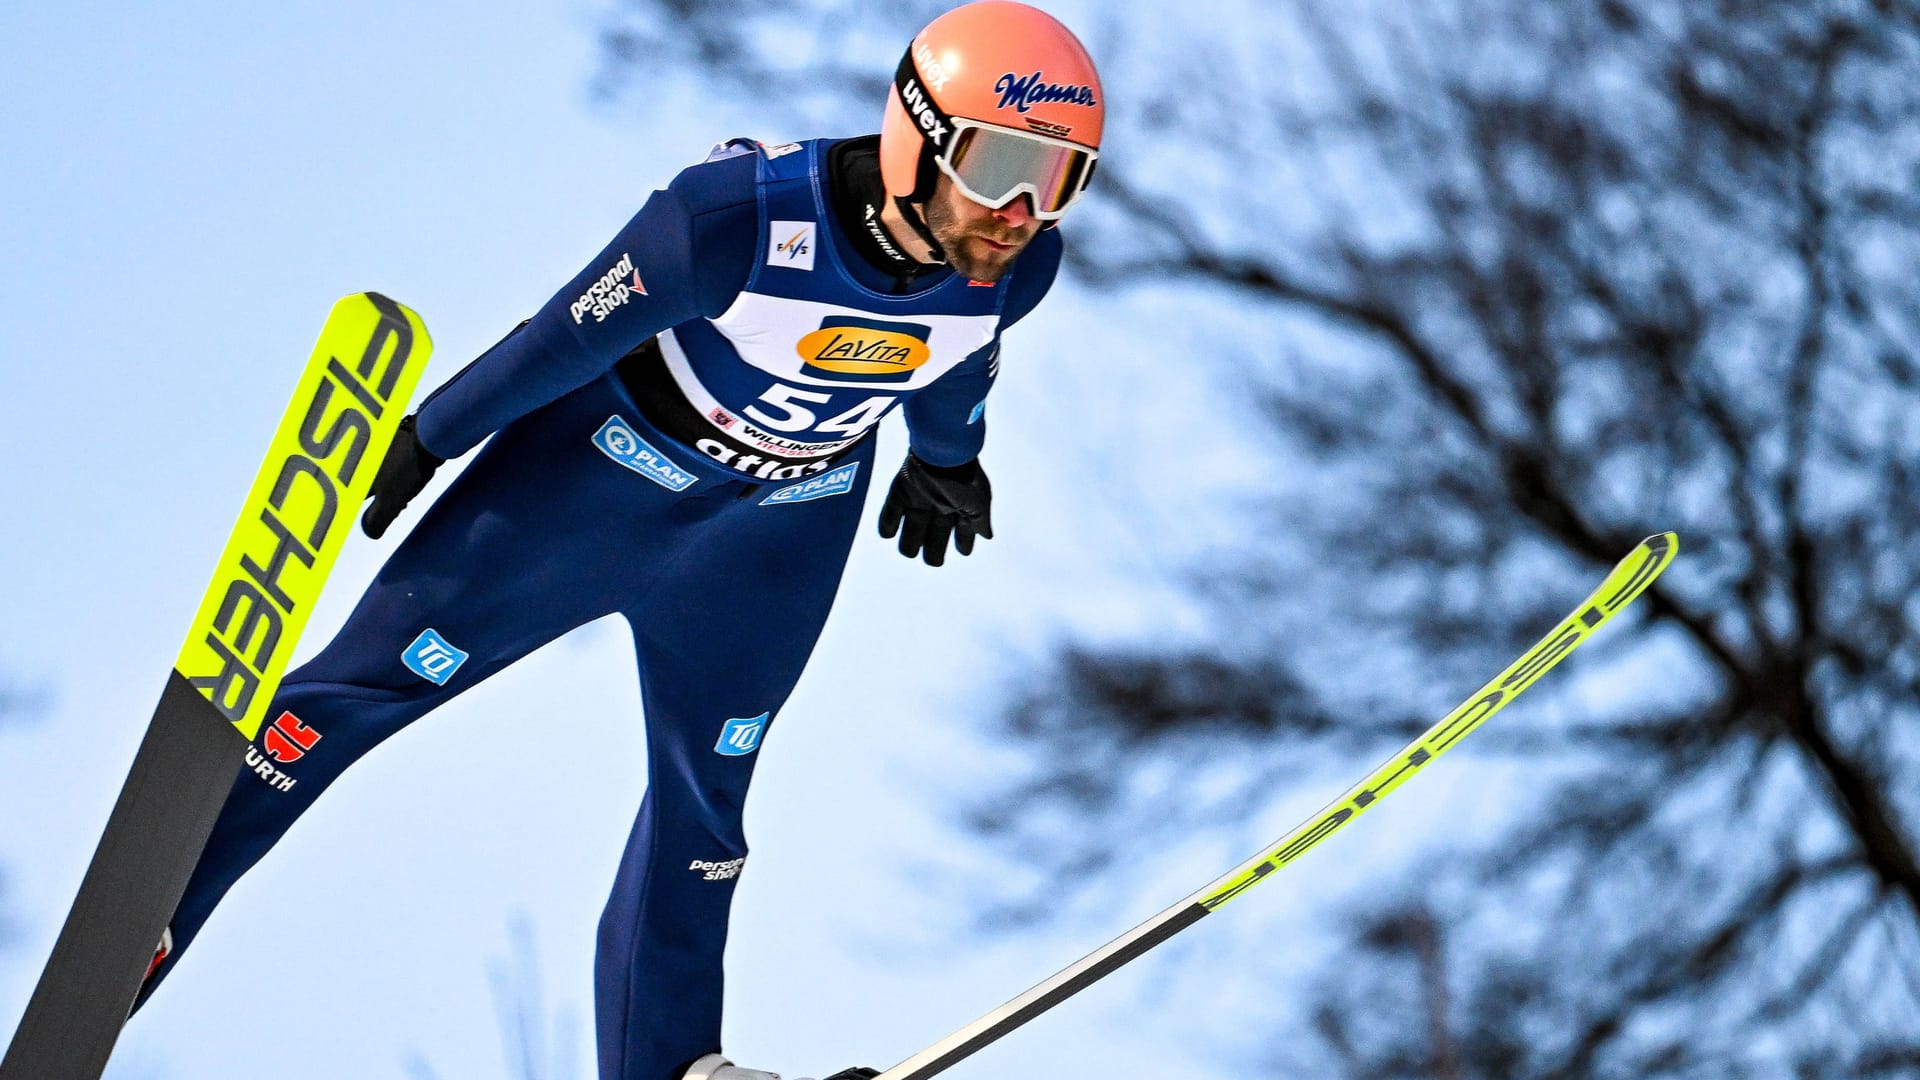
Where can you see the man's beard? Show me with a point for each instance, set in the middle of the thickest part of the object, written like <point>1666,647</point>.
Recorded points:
<point>975,260</point>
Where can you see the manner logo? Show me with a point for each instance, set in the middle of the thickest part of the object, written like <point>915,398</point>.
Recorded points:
<point>741,737</point>
<point>837,482</point>
<point>617,439</point>
<point>1023,92</point>
<point>431,658</point>
<point>864,350</point>
<point>790,244</point>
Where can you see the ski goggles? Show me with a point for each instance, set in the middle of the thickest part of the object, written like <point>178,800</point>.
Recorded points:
<point>993,166</point>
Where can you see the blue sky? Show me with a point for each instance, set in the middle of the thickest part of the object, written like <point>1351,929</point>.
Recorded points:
<point>185,194</point>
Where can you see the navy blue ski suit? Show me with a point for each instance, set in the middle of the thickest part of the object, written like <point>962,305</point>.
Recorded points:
<point>682,435</point>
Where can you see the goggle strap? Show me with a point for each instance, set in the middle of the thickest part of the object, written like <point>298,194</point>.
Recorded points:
<point>919,225</point>
<point>935,125</point>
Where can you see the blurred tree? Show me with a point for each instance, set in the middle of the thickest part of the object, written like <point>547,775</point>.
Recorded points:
<point>1572,273</point>
<point>536,1043</point>
<point>16,702</point>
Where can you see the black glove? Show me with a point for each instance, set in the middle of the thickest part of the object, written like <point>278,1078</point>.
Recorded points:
<point>855,1074</point>
<point>403,472</point>
<point>934,501</point>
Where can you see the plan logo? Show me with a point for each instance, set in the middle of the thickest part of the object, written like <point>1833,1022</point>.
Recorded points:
<point>288,740</point>
<point>837,482</point>
<point>617,439</point>
<point>741,737</point>
<point>431,658</point>
<point>864,350</point>
<point>790,244</point>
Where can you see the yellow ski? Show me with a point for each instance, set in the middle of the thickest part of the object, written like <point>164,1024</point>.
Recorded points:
<point>303,503</point>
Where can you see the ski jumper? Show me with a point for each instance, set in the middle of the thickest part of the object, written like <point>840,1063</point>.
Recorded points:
<point>682,435</point>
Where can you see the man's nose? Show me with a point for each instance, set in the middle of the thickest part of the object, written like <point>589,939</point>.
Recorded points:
<point>1016,213</point>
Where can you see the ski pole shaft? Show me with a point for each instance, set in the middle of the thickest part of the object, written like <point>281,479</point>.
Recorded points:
<point>1629,578</point>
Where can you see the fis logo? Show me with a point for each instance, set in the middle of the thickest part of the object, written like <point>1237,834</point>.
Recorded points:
<point>790,244</point>
<point>837,482</point>
<point>864,350</point>
<point>288,740</point>
<point>617,439</point>
<point>741,737</point>
<point>431,658</point>
<point>611,291</point>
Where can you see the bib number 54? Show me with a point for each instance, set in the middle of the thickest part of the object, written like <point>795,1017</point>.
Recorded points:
<point>794,415</point>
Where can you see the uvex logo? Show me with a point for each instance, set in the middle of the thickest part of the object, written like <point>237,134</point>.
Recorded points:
<point>924,113</point>
<point>864,350</point>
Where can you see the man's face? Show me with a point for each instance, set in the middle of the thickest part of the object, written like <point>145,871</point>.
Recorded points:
<point>979,242</point>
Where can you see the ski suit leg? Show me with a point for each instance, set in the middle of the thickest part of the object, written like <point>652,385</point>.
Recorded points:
<point>721,642</point>
<point>530,541</point>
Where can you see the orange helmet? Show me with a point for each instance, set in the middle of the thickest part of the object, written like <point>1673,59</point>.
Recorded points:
<point>1001,98</point>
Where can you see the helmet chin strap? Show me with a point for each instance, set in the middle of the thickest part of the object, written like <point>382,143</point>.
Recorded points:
<point>919,225</point>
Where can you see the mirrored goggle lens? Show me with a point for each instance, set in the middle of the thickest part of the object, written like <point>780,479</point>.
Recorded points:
<point>992,165</point>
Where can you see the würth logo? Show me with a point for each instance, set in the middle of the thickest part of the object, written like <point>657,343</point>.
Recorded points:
<point>288,740</point>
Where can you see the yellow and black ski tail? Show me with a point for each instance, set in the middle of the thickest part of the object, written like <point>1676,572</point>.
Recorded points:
<point>317,472</point>
<point>1628,579</point>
